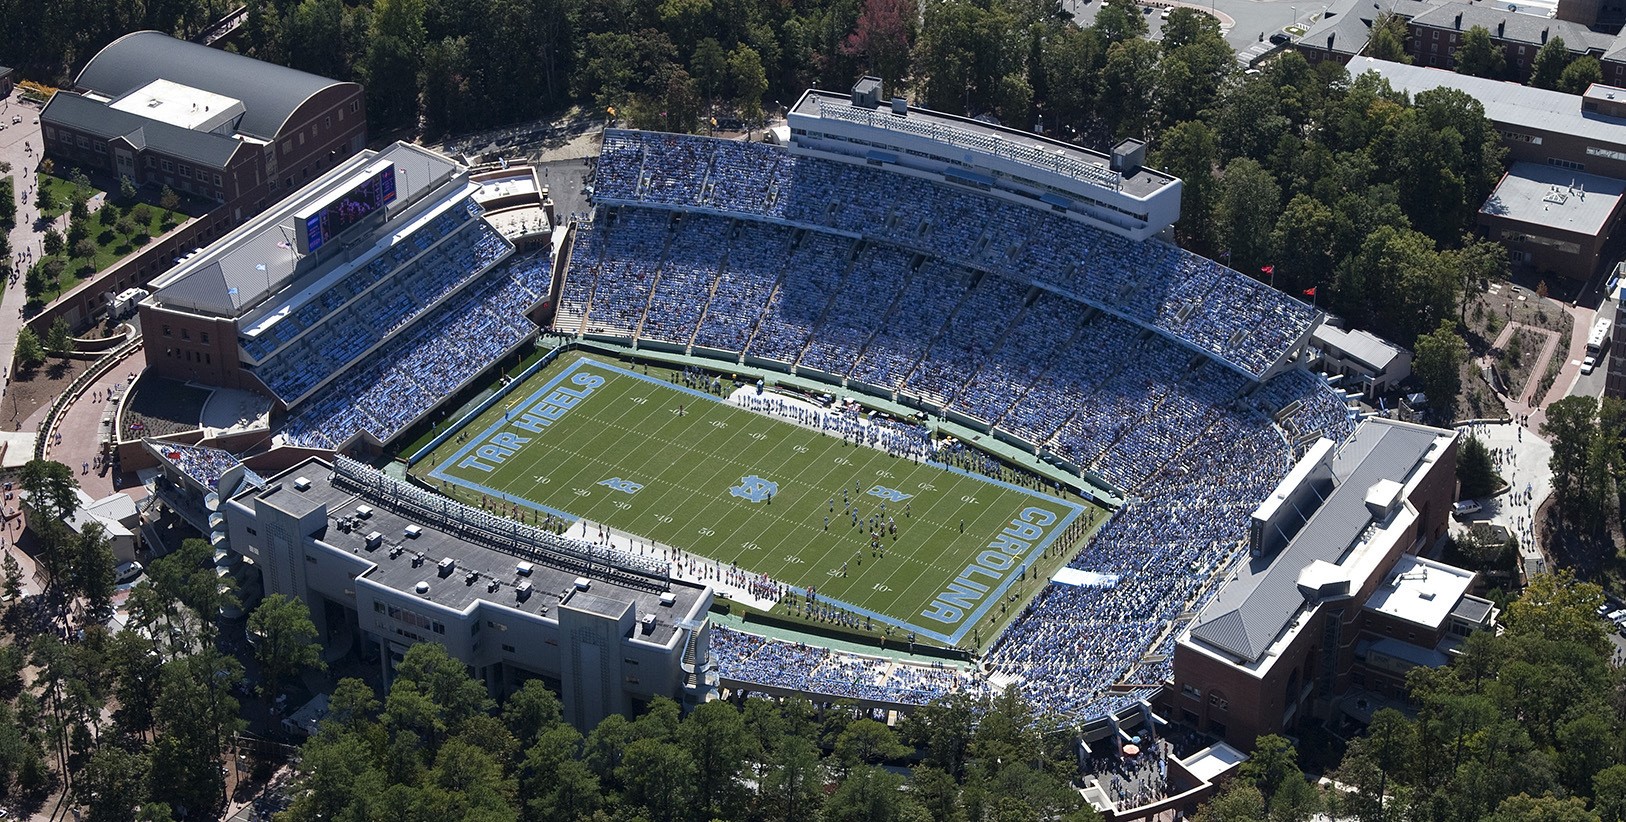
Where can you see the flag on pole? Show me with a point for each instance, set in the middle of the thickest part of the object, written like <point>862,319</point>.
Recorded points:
<point>1309,292</point>
<point>1268,270</point>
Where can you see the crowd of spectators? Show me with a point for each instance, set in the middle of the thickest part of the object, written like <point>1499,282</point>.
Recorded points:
<point>396,300</point>
<point>201,463</point>
<point>1211,307</point>
<point>412,373</point>
<point>745,659</point>
<point>1120,357</point>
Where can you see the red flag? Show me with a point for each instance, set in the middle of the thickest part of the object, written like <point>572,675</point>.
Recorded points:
<point>1309,292</point>
<point>1269,269</point>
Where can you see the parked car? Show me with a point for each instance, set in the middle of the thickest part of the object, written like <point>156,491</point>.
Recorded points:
<point>1279,39</point>
<point>1467,507</point>
<point>1589,364</point>
<point>127,572</point>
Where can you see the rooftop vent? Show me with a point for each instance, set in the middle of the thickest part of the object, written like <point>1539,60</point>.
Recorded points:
<point>900,106</point>
<point>473,577</point>
<point>422,587</point>
<point>395,552</point>
<point>867,92</point>
<point>302,484</point>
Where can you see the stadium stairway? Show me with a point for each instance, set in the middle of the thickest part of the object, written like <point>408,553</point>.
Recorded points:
<point>948,322</point>
<point>853,254</point>
<point>711,289</point>
<point>654,285</point>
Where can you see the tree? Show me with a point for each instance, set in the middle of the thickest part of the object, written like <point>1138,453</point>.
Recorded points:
<point>1547,69</point>
<point>51,488</point>
<point>1119,21</point>
<point>85,249</point>
<point>660,777</point>
<point>46,199</point>
<point>1438,365</point>
<point>1580,74</point>
<point>1249,201</point>
<point>868,794</point>
<point>29,352</point>
<point>1527,808</point>
<point>1571,428</point>
<point>53,241</point>
<point>531,710</point>
<point>59,339</point>
<point>793,787</point>
<point>1557,607</point>
<point>1609,792</point>
<point>1388,41</point>
<point>883,36</point>
<point>716,741</point>
<point>749,82</point>
<point>1479,55</point>
<point>93,575</point>
<point>1475,470</point>
<point>1129,86</point>
<point>127,188</point>
<point>13,577</point>
<point>287,640</point>
<point>168,199</point>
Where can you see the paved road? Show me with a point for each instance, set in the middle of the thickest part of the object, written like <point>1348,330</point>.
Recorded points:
<point>1250,20</point>
<point>20,145</point>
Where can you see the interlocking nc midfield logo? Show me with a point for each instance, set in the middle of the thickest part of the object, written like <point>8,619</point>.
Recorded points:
<point>754,489</point>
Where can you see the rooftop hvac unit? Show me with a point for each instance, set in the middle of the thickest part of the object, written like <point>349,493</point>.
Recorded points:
<point>523,590</point>
<point>413,532</point>
<point>492,586</point>
<point>524,569</point>
<point>583,583</point>
<point>473,577</point>
<point>364,511</point>
<point>649,622</point>
<point>374,540</point>
<point>446,566</point>
<point>668,599</point>
<point>302,484</point>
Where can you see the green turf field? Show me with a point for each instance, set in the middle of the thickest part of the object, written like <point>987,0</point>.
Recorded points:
<point>587,439</point>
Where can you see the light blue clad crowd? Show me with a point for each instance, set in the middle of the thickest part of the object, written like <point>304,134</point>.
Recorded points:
<point>1022,319</point>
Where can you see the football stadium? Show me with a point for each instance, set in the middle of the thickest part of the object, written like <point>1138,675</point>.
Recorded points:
<point>907,377</point>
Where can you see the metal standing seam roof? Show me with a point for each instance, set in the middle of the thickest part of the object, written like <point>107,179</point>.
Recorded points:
<point>1505,103</point>
<point>1252,610</point>
<point>270,93</point>
<point>237,272</point>
<point>1369,349</point>
<point>83,114</point>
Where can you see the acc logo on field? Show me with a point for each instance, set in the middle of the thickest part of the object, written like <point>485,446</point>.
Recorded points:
<point>888,494</point>
<point>754,489</point>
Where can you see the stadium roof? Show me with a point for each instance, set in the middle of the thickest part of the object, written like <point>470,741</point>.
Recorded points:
<point>270,93</point>
<point>1553,197</point>
<point>258,259</point>
<point>1364,346</point>
<point>1505,103</point>
<point>989,138</point>
<point>93,117</point>
<point>435,542</point>
<point>1265,595</point>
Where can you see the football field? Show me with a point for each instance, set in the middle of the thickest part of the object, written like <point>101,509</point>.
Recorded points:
<point>587,439</point>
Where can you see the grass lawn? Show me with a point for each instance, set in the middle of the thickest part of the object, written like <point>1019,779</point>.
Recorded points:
<point>740,487</point>
<point>111,243</point>
<point>62,191</point>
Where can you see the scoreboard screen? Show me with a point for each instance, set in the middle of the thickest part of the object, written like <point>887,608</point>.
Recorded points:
<point>349,208</point>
